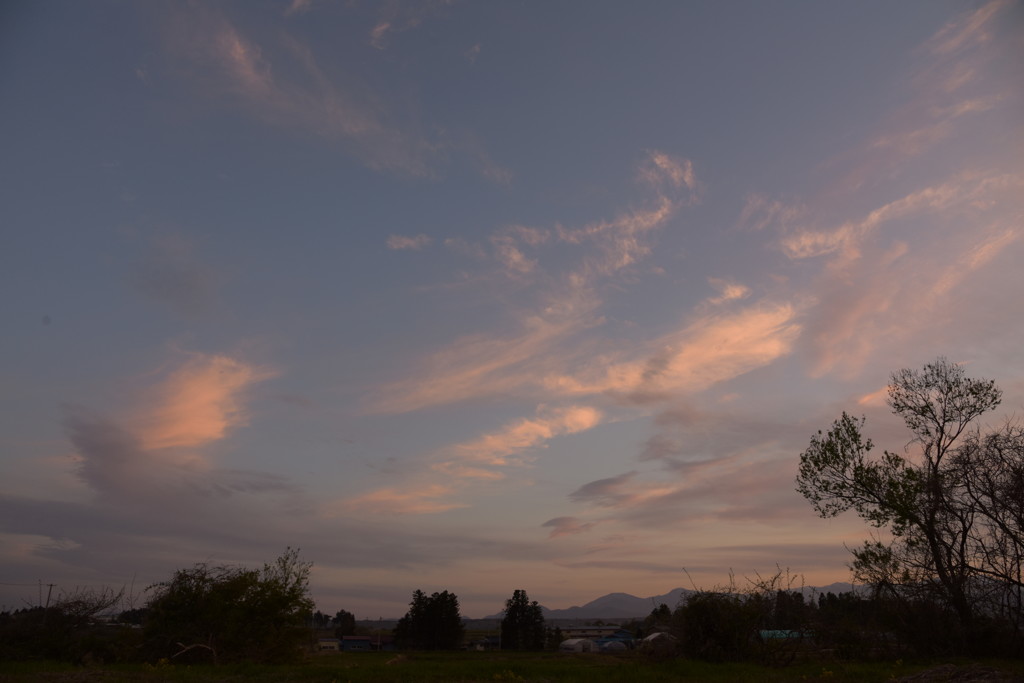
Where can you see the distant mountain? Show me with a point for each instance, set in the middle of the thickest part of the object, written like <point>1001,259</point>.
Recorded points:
<point>626,606</point>
<point>837,588</point>
<point>613,606</point>
<point>619,606</point>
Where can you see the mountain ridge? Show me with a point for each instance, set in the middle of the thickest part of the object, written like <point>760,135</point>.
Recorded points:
<point>627,606</point>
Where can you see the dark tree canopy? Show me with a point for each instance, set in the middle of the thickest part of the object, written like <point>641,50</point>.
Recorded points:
<point>65,629</point>
<point>344,623</point>
<point>232,613</point>
<point>952,504</point>
<point>432,623</point>
<point>522,628</point>
<point>319,620</point>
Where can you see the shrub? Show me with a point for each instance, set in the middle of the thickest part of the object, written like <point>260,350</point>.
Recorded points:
<point>231,613</point>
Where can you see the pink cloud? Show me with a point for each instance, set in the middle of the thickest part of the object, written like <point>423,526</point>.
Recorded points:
<point>505,446</point>
<point>711,349</point>
<point>158,447</point>
<point>415,500</point>
<point>199,402</point>
<point>728,291</point>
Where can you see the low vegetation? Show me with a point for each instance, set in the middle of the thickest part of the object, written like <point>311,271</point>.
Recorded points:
<point>511,667</point>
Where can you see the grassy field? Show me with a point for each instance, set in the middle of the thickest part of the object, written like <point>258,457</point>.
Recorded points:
<point>478,667</point>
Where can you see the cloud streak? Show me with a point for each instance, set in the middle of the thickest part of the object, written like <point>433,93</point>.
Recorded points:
<point>481,365</point>
<point>287,87</point>
<point>414,243</point>
<point>505,446</point>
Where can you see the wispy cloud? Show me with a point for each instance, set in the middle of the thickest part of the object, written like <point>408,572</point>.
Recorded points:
<point>282,82</point>
<point>885,277</point>
<point>714,345</point>
<point>608,492</point>
<point>397,17</point>
<point>711,349</point>
<point>761,211</point>
<point>970,29</point>
<point>243,61</point>
<point>744,486</point>
<point>506,446</point>
<point>414,242</point>
<point>949,87</point>
<point>413,499</point>
<point>728,291</point>
<point>892,273</point>
<point>846,239</point>
<point>298,7</point>
<point>567,526</point>
<point>527,360</point>
<point>478,461</point>
<point>482,365</point>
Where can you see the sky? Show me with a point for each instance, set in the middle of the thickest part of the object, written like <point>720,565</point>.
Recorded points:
<point>481,296</point>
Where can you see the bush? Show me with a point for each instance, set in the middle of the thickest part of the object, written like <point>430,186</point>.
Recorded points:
<point>231,613</point>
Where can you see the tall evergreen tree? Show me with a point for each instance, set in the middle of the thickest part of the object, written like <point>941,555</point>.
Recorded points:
<point>344,623</point>
<point>432,623</point>
<point>523,625</point>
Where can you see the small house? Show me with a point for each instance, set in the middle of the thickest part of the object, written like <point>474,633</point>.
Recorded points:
<point>328,644</point>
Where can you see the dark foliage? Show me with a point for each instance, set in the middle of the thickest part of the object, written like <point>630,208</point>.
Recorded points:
<point>522,628</point>
<point>953,508</point>
<point>228,613</point>
<point>344,624</point>
<point>553,638</point>
<point>70,630</point>
<point>319,620</point>
<point>717,626</point>
<point>432,623</point>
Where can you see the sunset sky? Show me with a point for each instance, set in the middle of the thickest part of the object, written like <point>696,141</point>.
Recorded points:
<point>481,296</point>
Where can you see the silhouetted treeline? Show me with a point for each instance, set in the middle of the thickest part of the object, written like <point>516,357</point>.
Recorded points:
<point>776,627</point>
